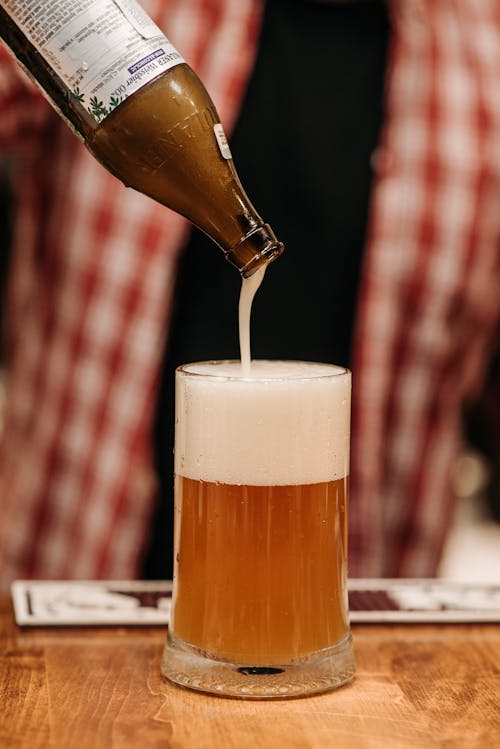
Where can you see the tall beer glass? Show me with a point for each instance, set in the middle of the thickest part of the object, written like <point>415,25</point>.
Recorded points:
<point>261,482</point>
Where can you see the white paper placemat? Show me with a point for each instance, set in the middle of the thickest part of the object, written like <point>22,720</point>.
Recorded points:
<point>77,603</point>
<point>88,603</point>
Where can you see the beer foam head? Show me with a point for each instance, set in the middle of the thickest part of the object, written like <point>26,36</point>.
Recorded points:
<point>289,423</point>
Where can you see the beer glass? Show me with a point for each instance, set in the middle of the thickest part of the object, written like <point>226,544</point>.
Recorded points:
<point>259,604</point>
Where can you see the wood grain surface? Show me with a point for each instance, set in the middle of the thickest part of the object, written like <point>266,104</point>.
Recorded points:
<point>418,687</point>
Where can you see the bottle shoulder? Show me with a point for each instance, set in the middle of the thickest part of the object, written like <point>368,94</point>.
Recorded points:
<point>174,96</point>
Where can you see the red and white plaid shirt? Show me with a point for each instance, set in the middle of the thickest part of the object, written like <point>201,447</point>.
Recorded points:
<point>93,272</point>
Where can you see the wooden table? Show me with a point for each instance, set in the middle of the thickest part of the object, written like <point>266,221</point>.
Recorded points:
<point>416,686</point>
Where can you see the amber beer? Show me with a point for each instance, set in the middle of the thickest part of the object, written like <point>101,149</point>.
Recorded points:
<point>261,489</point>
<point>285,596</point>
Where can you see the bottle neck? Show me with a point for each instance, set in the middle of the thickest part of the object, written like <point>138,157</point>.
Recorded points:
<point>257,248</point>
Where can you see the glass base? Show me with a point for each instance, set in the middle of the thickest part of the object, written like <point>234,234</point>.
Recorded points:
<point>189,667</point>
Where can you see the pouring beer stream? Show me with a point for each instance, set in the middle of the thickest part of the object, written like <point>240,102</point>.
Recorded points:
<point>249,287</point>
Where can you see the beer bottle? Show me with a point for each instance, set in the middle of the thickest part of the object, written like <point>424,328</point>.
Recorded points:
<point>141,111</point>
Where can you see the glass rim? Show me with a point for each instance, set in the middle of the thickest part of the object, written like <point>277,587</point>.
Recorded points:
<point>339,371</point>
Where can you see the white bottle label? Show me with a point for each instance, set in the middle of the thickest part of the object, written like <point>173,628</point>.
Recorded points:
<point>103,50</point>
<point>222,141</point>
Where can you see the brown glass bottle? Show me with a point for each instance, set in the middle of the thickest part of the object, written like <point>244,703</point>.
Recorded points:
<point>161,141</point>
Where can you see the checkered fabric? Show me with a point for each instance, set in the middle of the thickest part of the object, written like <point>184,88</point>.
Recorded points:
<point>93,272</point>
<point>430,294</point>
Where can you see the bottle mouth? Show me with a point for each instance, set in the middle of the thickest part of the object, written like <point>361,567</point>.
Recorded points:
<point>264,257</point>
<point>259,247</point>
